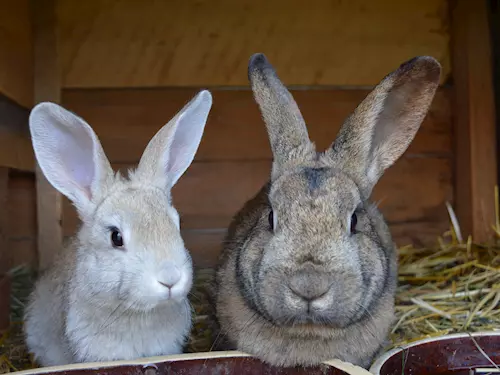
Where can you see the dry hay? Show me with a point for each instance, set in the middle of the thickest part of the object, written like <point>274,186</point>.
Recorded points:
<point>452,287</point>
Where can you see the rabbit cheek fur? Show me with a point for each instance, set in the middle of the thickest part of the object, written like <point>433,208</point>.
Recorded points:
<point>309,270</point>
<point>119,290</point>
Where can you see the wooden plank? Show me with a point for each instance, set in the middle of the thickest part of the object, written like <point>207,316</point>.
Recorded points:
<point>21,211</point>
<point>16,150</point>
<point>475,133</point>
<point>47,88</point>
<point>16,57</point>
<point>130,43</point>
<point>4,220</point>
<point>209,194</point>
<point>126,119</point>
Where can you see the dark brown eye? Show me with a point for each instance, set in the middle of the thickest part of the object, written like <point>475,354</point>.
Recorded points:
<point>271,220</point>
<point>354,221</point>
<point>116,238</point>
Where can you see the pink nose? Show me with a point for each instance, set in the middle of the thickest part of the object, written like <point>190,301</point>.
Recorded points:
<point>169,275</point>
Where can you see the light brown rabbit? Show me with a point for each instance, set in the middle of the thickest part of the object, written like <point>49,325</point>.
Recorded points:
<point>308,271</point>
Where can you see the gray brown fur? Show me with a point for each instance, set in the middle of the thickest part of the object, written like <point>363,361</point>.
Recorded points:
<point>310,290</point>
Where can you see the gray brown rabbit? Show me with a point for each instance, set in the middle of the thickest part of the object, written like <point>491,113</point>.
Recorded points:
<point>309,270</point>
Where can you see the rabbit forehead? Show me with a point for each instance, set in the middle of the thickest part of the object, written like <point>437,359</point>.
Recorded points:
<point>314,185</point>
<point>144,212</point>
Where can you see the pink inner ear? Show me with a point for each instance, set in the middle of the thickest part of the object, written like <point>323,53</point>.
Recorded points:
<point>74,149</point>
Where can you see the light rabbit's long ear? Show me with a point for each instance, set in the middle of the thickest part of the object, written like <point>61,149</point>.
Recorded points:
<point>69,153</point>
<point>172,149</point>
<point>285,125</point>
<point>382,127</point>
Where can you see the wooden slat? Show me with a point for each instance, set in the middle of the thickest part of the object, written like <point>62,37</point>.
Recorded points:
<point>4,220</point>
<point>130,43</point>
<point>47,88</point>
<point>125,120</point>
<point>475,133</point>
<point>16,52</point>
<point>21,211</point>
<point>16,150</point>
<point>209,194</point>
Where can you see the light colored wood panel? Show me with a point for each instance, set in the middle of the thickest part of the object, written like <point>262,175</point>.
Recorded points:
<point>125,120</point>
<point>47,88</point>
<point>475,124</point>
<point>209,194</point>
<point>16,52</point>
<point>130,43</point>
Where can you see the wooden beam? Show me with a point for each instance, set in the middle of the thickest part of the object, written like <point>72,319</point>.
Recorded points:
<point>475,133</point>
<point>16,150</point>
<point>4,236</point>
<point>47,88</point>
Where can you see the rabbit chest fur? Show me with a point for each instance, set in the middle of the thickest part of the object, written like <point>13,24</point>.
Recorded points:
<point>67,325</point>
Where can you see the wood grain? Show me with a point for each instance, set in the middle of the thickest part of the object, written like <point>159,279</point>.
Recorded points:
<point>209,194</point>
<point>130,43</point>
<point>47,88</point>
<point>125,120</point>
<point>16,56</point>
<point>16,150</point>
<point>475,126</point>
<point>4,221</point>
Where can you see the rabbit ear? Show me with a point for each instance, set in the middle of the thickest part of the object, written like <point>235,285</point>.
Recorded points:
<point>69,153</point>
<point>285,125</point>
<point>384,124</point>
<point>172,149</point>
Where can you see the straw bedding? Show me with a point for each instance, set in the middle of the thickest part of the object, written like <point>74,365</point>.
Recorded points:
<point>451,287</point>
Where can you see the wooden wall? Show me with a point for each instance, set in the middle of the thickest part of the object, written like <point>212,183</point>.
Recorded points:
<point>127,67</point>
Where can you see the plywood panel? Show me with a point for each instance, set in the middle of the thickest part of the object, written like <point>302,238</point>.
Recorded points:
<point>209,194</point>
<point>16,52</point>
<point>125,43</point>
<point>125,120</point>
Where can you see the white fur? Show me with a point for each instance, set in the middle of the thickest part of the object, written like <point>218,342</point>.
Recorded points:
<point>99,302</point>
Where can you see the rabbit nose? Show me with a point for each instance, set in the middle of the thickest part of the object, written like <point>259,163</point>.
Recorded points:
<point>169,275</point>
<point>310,285</point>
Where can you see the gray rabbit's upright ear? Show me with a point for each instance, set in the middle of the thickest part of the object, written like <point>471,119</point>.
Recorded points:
<point>384,124</point>
<point>285,125</point>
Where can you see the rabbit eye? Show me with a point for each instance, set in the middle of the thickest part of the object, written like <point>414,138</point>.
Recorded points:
<point>116,238</point>
<point>354,221</point>
<point>271,219</point>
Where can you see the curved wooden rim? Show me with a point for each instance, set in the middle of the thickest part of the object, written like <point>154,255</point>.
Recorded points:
<point>380,361</point>
<point>152,361</point>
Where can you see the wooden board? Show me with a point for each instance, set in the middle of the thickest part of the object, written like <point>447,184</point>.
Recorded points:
<point>16,52</point>
<point>125,120</point>
<point>475,123</point>
<point>16,150</point>
<point>209,194</point>
<point>4,220</point>
<point>47,88</point>
<point>130,43</point>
